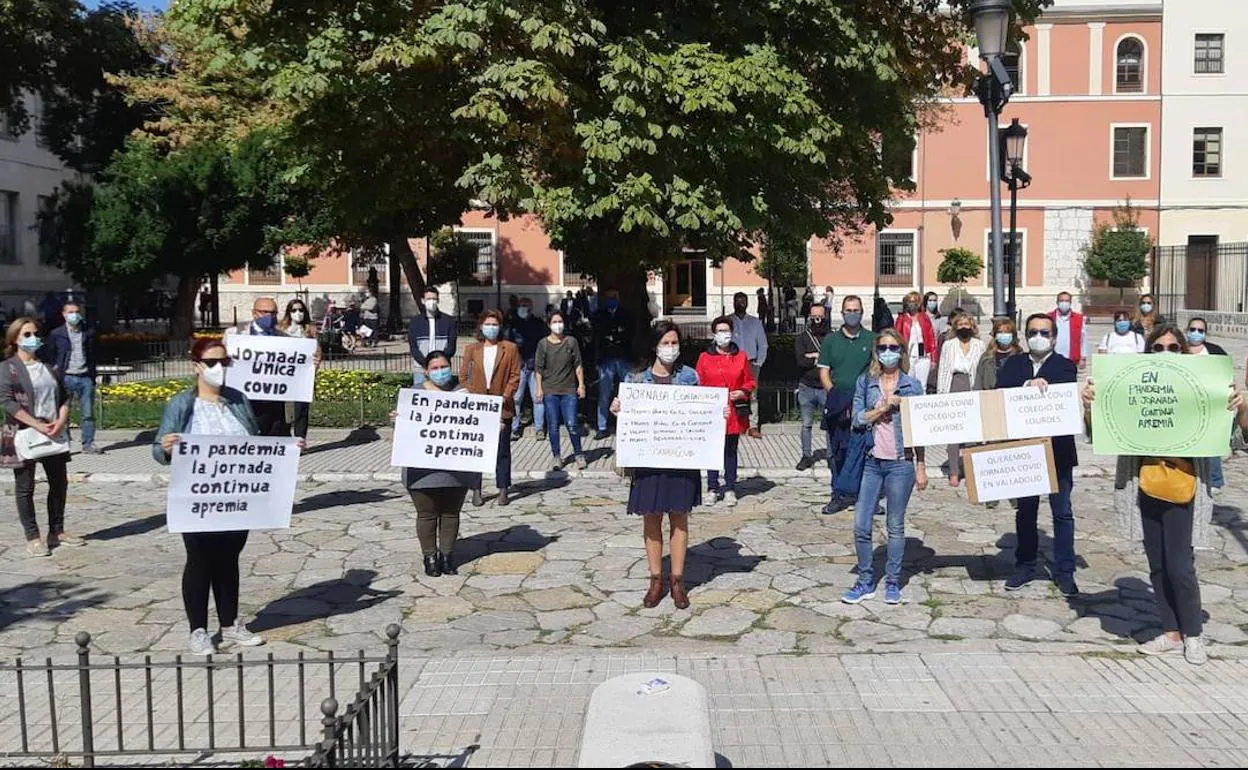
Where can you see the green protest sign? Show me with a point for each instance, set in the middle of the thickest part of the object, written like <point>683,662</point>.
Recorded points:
<point>1161,405</point>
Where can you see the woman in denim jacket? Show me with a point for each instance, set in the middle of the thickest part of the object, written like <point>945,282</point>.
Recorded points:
<point>890,468</point>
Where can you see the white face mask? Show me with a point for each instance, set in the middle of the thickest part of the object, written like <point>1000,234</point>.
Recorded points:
<point>431,306</point>
<point>556,328</point>
<point>723,339</point>
<point>1040,345</point>
<point>214,375</point>
<point>668,353</point>
<point>297,316</point>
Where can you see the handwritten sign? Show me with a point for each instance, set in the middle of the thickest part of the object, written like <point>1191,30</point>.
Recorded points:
<point>456,431</point>
<point>1161,405</point>
<point>948,418</point>
<point>671,426</point>
<point>1012,470</point>
<point>272,368</point>
<point>1009,414</point>
<point>228,483</point>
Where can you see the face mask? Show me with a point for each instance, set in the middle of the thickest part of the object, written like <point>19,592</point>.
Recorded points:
<point>523,312</point>
<point>723,339</point>
<point>965,334</point>
<point>297,316</point>
<point>889,359</point>
<point>214,375</point>
<point>556,328</point>
<point>1195,338</point>
<point>1039,344</point>
<point>613,304</point>
<point>431,306</point>
<point>1004,339</point>
<point>1122,327</point>
<point>739,309</point>
<point>441,377</point>
<point>30,344</point>
<point>932,305</point>
<point>668,353</point>
<point>73,319</point>
<point>490,332</point>
<point>1063,307</point>
<point>265,322</point>
<point>910,307</point>
<point>853,319</point>
<point>1146,307</point>
<point>818,323</point>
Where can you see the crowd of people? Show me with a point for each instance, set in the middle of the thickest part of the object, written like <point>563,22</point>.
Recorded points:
<point>853,381</point>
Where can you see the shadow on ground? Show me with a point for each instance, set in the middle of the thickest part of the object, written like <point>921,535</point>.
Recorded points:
<point>344,497</point>
<point>364,435</point>
<point>717,556</point>
<point>342,596</point>
<point>55,600</point>
<point>126,529</point>
<point>520,538</point>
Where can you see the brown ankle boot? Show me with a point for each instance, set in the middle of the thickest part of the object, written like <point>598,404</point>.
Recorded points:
<point>655,594</point>
<point>679,597</point>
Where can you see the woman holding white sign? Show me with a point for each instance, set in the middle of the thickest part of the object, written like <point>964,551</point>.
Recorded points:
<point>1167,503</point>
<point>959,361</point>
<point>659,491</point>
<point>726,366</point>
<point>209,408</point>
<point>492,367</point>
<point>890,470</point>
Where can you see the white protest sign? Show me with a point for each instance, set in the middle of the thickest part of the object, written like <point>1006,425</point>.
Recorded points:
<point>225,483</point>
<point>272,368</point>
<point>1006,471</point>
<point>1032,414</point>
<point>456,431</point>
<point>950,418</point>
<point>671,426</point>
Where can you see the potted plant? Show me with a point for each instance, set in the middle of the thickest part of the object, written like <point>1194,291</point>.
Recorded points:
<point>959,266</point>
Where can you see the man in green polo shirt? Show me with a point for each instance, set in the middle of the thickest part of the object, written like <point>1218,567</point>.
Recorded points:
<point>843,357</point>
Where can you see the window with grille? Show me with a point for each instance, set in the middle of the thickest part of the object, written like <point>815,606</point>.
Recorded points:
<point>1130,152</point>
<point>483,266</point>
<point>264,276</point>
<point>1013,61</point>
<point>894,258</point>
<point>574,280</point>
<point>1012,246</point>
<point>1129,77</point>
<point>1210,56</point>
<point>1207,152</point>
<point>8,227</point>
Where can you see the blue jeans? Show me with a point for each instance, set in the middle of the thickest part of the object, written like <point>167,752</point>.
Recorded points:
<point>731,444</point>
<point>838,444</point>
<point>563,410</point>
<point>811,401</point>
<point>528,382</point>
<point>1027,550</point>
<point>895,480</point>
<point>1216,479</point>
<point>611,372</point>
<point>84,389</point>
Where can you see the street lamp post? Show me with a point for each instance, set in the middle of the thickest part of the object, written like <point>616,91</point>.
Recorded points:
<point>992,23</point>
<point>1015,137</point>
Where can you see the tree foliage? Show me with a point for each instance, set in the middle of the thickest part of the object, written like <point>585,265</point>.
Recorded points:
<point>1118,251</point>
<point>783,264</point>
<point>451,257</point>
<point>959,266</point>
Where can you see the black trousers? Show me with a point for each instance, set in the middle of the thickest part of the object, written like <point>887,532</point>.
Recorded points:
<point>437,517</point>
<point>300,413</point>
<point>271,418</point>
<point>502,465</point>
<point>211,563</point>
<point>24,491</point>
<point>1172,564</point>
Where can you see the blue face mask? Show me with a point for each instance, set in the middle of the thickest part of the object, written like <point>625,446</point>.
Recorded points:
<point>30,344</point>
<point>489,332</point>
<point>73,319</point>
<point>853,320</point>
<point>1195,338</point>
<point>441,377</point>
<point>889,359</point>
<point>1004,339</point>
<point>265,323</point>
<point>1122,327</point>
<point>613,304</point>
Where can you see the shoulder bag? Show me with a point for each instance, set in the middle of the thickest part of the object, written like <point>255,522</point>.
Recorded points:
<point>30,444</point>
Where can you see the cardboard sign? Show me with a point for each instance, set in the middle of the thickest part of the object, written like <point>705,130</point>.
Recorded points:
<point>671,426</point>
<point>454,431</point>
<point>1008,414</point>
<point>1010,470</point>
<point>228,483</point>
<point>272,368</point>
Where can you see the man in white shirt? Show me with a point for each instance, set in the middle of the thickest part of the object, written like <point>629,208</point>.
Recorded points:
<point>1072,331</point>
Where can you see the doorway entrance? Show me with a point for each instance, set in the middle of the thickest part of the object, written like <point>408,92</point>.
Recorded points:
<point>684,287</point>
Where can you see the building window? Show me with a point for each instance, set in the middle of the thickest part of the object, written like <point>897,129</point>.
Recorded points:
<point>1130,152</point>
<point>894,258</point>
<point>265,276</point>
<point>1013,61</point>
<point>574,280</point>
<point>899,156</point>
<point>1210,59</point>
<point>45,228</point>
<point>1129,73</point>
<point>1015,244</point>
<point>8,227</point>
<point>1207,152</point>
<point>365,259</point>
<point>483,267</point>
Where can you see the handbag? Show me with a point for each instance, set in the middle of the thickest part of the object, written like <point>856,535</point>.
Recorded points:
<point>1170,479</point>
<point>30,444</point>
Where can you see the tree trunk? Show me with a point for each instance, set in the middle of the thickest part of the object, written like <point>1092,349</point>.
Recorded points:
<point>634,297</point>
<point>395,281</point>
<point>183,321</point>
<point>401,251</point>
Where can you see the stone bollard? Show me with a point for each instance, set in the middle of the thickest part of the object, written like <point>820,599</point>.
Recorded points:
<point>647,718</point>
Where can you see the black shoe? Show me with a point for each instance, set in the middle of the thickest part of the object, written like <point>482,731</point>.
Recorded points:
<point>516,435</point>
<point>805,463</point>
<point>432,566</point>
<point>446,562</point>
<point>836,505</point>
<point>601,435</point>
<point>1021,577</point>
<point>477,499</point>
<point>502,497</point>
<point>1066,586</point>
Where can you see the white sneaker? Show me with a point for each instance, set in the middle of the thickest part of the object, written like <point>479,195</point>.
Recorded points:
<point>709,499</point>
<point>239,635</point>
<point>1195,650</point>
<point>201,643</point>
<point>1159,645</point>
<point>730,498</point>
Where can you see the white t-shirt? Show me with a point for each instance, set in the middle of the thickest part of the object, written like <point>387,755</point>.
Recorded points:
<point>43,399</point>
<point>1115,343</point>
<point>214,418</point>
<point>490,355</point>
<point>1204,351</point>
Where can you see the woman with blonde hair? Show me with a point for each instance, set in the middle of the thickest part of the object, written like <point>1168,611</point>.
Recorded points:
<point>1146,318</point>
<point>890,469</point>
<point>917,331</point>
<point>1004,343</point>
<point>959,363</point>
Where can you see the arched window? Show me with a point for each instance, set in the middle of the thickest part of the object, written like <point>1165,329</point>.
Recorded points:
<point>1129,72</point>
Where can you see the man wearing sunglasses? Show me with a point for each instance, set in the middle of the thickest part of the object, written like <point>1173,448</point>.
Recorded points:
<point>1039,368</point>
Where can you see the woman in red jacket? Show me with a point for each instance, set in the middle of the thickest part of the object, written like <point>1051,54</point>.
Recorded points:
<point>921,345</point>
<point>725,366</point>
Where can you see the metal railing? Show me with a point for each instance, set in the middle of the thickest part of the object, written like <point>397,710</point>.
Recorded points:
<point>190,710</point>
<point>1200,276</point>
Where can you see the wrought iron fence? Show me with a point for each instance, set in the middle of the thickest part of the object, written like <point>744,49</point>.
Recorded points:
<point>113,713</point>
<point>1201,275</point>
